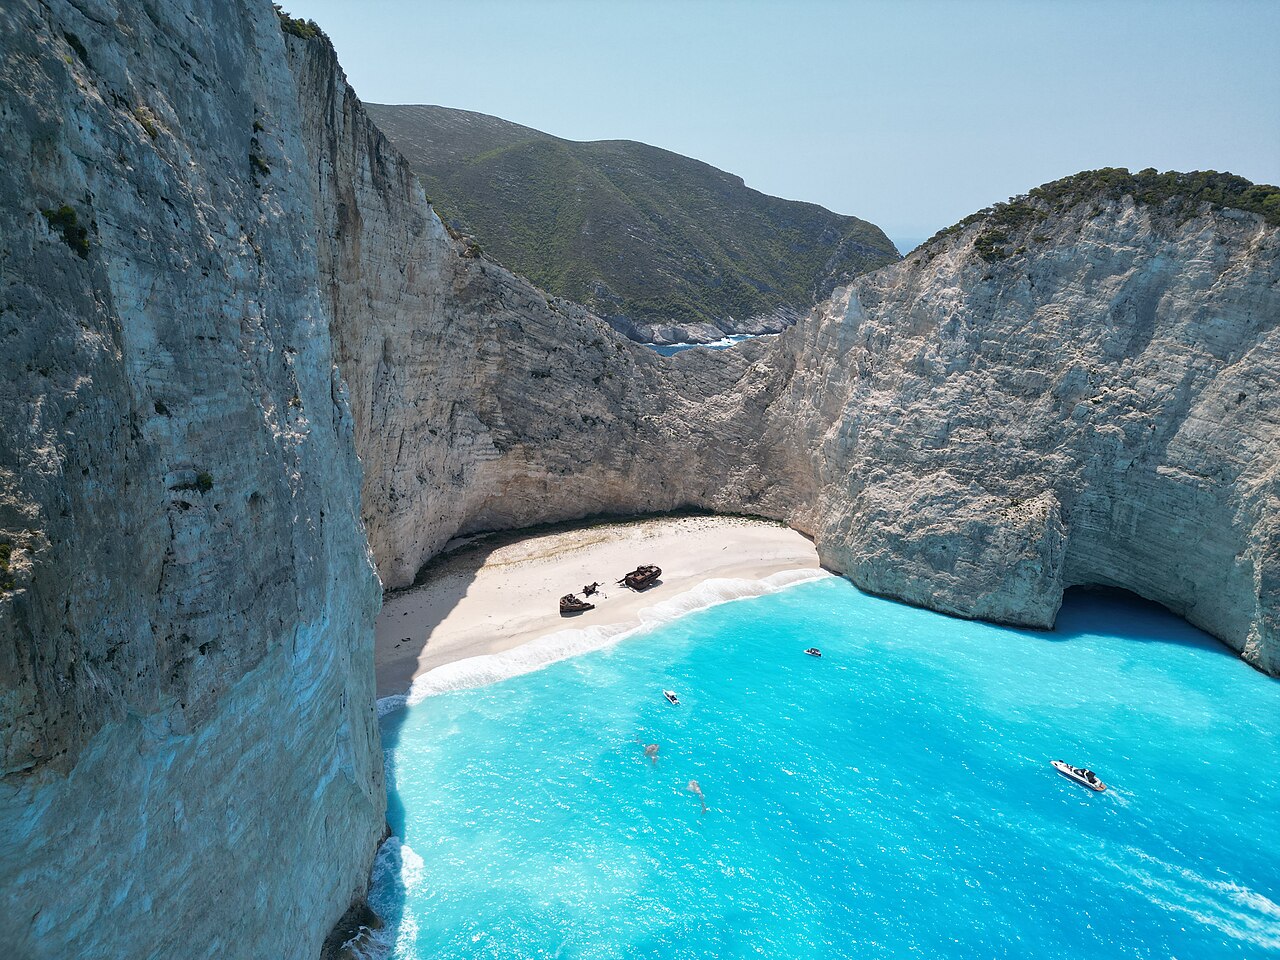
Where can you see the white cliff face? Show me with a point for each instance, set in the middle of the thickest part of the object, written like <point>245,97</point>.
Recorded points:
<point>972,436</point>
<point>1095,410</point>
<point>478,402</point>
<point>189,763</point>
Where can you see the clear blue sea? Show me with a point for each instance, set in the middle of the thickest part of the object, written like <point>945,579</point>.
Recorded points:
<point>892,799</point>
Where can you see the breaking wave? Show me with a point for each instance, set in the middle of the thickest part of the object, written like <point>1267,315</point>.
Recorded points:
<point>536,654</point>
<point>398,872</point>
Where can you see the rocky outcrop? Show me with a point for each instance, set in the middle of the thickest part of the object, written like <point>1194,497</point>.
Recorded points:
<point>480,403</point>
<point>1089,406</point>
<point>672,332</point>
<point>1082,401</point>
<point>189,763</point>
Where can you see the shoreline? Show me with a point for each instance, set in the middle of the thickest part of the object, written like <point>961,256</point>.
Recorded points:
<point>489,596</point>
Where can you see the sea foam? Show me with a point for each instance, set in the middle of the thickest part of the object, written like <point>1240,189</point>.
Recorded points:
<point>536,654</point>
<point>907,767</point>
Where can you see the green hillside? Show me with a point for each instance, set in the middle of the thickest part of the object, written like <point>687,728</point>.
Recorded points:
<point>640,235</point>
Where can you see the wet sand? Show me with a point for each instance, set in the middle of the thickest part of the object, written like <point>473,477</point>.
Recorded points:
<point>498,593</point>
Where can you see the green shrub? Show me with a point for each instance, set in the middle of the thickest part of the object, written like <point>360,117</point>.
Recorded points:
<point>74,234</point>
<point>144,117</point>
<point>203,482</point>
<point>297,27</point>
<point>256,163</point>
<point>1175,194</point>
<point>990,245</point>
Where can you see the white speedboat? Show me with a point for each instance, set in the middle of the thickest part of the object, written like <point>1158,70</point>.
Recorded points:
<point>814,652</point>
<point>671,695</point>
<point>1086,778</point>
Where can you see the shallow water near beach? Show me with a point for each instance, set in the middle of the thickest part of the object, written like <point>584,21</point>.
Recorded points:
<point>891,799</point>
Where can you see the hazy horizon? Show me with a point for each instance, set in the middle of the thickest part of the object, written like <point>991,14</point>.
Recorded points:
<point>910,115</point>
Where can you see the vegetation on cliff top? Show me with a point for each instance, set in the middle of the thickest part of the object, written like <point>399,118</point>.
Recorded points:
<point>1175,194</point>
<point>627,229</point>
<point>297,27</point>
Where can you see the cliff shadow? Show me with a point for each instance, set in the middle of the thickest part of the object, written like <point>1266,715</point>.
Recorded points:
<point>448,577</point>
<point>437,589</point>
<point>387,889</point>
<point>1095,609</point>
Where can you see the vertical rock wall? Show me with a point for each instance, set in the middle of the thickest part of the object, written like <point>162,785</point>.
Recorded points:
<point>189,763</point>
<point>1095,408</point>
<point>479,402</point>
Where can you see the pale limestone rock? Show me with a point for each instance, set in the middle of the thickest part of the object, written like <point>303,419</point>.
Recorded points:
<point>189,761</point>
<point>1097,410</point>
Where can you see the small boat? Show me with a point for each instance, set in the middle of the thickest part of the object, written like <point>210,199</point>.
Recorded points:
<point>642,577</point>
<point>570,604</point>
<point>1086,778</point>
<point>814,652</point>
<point>671,695</point>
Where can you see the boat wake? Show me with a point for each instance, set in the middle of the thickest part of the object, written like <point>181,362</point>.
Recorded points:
<point>1226,906</point>
<point>536,654</point>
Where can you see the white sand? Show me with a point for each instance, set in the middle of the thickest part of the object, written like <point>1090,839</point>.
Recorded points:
<point>484,599</point>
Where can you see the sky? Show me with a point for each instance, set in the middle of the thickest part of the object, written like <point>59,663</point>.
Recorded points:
<point>911,114</point>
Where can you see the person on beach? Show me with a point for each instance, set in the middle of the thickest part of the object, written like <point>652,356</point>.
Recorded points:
<point>697,791</point>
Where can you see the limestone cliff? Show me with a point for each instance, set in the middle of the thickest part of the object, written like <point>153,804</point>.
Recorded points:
<point>479,402</point>
<point>1090,403</point>
<point>1085,401</point>
<point>189,763</point>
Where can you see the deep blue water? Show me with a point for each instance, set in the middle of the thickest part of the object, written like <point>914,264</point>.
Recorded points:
<point>893,799</point>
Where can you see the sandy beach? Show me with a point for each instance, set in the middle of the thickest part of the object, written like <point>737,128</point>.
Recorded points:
<point>499,592</point>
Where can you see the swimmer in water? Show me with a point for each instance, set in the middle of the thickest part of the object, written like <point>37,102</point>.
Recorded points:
<point>650,749</point>
<point>697,791</point>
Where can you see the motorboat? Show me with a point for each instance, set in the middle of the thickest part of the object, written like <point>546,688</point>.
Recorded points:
<point>814,652</point>
<point>569,604</point>
<point>1086,778</point>
<point>671,696</point>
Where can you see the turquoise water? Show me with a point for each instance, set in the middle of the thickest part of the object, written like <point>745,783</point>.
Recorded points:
<point>893,799</point>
